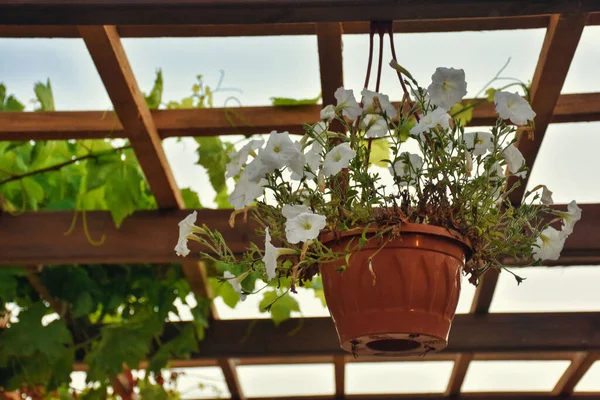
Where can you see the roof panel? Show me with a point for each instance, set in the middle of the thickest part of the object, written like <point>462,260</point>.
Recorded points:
<point>397,377</point>
<point>286,380</point>
<point>591,380</point>
<point>513,376</point>
<point>584,68</point>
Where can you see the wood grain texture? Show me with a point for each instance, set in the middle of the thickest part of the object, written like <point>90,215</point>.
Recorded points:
<point>107,52</point>
<point>159,12</point>
<point>580,364</point>
<point>231,121</point>
<point>561,41</point>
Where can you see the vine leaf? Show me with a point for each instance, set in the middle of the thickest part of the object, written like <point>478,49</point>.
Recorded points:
<point>154,98</point>
<point>9,103</point>
<point>44,96</point>
<point>286,101</point>
<point>190,198</point>
<point>280,307</point>
<point>212,155</point>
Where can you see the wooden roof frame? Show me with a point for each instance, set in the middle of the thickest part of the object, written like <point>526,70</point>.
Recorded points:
<point>94,21</point>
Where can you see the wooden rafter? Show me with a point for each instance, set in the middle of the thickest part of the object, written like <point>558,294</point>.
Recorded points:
<point>36,12</point>
<point>561,40</point>
<point>580,364</point>
<point>149,237</point>
<point>105,47</point>
<point>58,125</point>
<point>339,369</point>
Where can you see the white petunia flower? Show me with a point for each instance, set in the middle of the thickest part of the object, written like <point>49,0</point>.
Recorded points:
<point>479,142</point>
<point>279,151</point>
<point>328,113</point>
<point>448,87</point>
<point>512,106</point>
<point>382,104</point>
<point>570,218</point>
<point>290,212</point>
<point>246,191</point>
<point>549,245</point>
<point>514,160</point>
<point>303,227</point>
<point>239,158</point>
<point>256,169</point>
<point>235,283</point>
<point>429,121</point>
<point>186,229</point>
<point>338,158</point>
<point>546,196</point>
<point>347,103</point>
<point>404,169</point>
<point>312,159</point>
<point>374,125</point>
<point>271,255</point>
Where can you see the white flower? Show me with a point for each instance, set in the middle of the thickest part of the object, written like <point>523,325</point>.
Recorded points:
<point>546,196</point>
<point>469,162</point>
<point>512,106</point>
<point>271,255</point>
<point>549,245</point>
<point>303,227</point>
<point>239,158</point>
<point>312,159</point>
<point>235,284</point>
<point>347,103</point>
<point>339,157</point>
<point>430,121</point>
<point>570,217</point>
<point>402,168</point>
<point>186,229</point>
<point>256,169</point>
<point>246,191</point>
<point>290,212</point>
<point>375,125</point>
<point>328,113</point>
<point>382,104</point>
<point>279,151</point>
<point>448,87</point>
<point>514,160</point>
<point>479,142</point>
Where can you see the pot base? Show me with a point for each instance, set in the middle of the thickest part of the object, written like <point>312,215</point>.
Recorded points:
<point>394,344</point>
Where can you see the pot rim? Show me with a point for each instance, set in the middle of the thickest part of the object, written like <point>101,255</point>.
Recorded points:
<point>407,227</point>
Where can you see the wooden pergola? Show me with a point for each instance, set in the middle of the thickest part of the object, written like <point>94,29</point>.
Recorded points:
<point>37,238</point>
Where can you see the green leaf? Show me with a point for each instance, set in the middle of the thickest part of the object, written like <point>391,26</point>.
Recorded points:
<point>286,102</point>
<point>12,104</point>
<point>2,95</point>
<point>403,131</point>
<point>225,291</point>
<point>123,189</point>
<point>33,191</point>
<point>29,336</point>
<point>190,198</point>
<point>462,113</point>
<point>180,346</point>
<point>187,102</point>
<point>201,314</point>
<point>490,93</point>
<point>153,392</point>
<point>44,96</point>
<point>280,308</point>
<point>212,155</point>
<point>222,199</point>
<point>84,305</point>
<point>380,150</point>
<point>154,99</point>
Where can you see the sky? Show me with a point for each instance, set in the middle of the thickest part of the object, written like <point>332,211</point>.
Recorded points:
<point>263,67</point>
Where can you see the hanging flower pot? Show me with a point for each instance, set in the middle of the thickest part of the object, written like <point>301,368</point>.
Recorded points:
<point>395,296</point>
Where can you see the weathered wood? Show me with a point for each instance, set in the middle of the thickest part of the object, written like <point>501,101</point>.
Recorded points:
<point>580,364</point>
<point>231,121</point>
<point>558,49</point>
<point>107,52</point>
<point>150,236</point>
<point>329,41</point>
<point>103,12</point>
<point>339,365</point>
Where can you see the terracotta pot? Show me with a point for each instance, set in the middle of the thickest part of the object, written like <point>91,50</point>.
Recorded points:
<point>408,306</point>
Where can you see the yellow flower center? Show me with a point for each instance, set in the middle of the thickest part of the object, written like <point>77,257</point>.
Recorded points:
<point>276,149</point>
<point>307,225</point>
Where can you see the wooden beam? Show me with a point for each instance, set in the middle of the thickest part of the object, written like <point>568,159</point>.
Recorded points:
<point>231,378</point>
<point>485,293</point>
<point>492,333</point>
<point>329,41</point>
<point>103,12</point>
<point>149,237</point>
<point>580,364</point>
<point>339,365</point>
<point>558,49</point>
<point>469,396</point>
<point>305,28</point>
<point>229,121</point>
<point>107,52</point>
<point>459,371</point>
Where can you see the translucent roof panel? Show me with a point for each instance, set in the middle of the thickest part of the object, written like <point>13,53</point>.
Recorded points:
<point>422,53</point>
<point>75,82</point>
<point>568,163</point>
<point>548,289</point>
<point>286,380</point>
<point>201,383</point>
<point>259,67</point>
<point>397,377</point>
<point>584,66</point>
<point>513,376</point>
<point>591,380</point>
<point>467,291</point>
